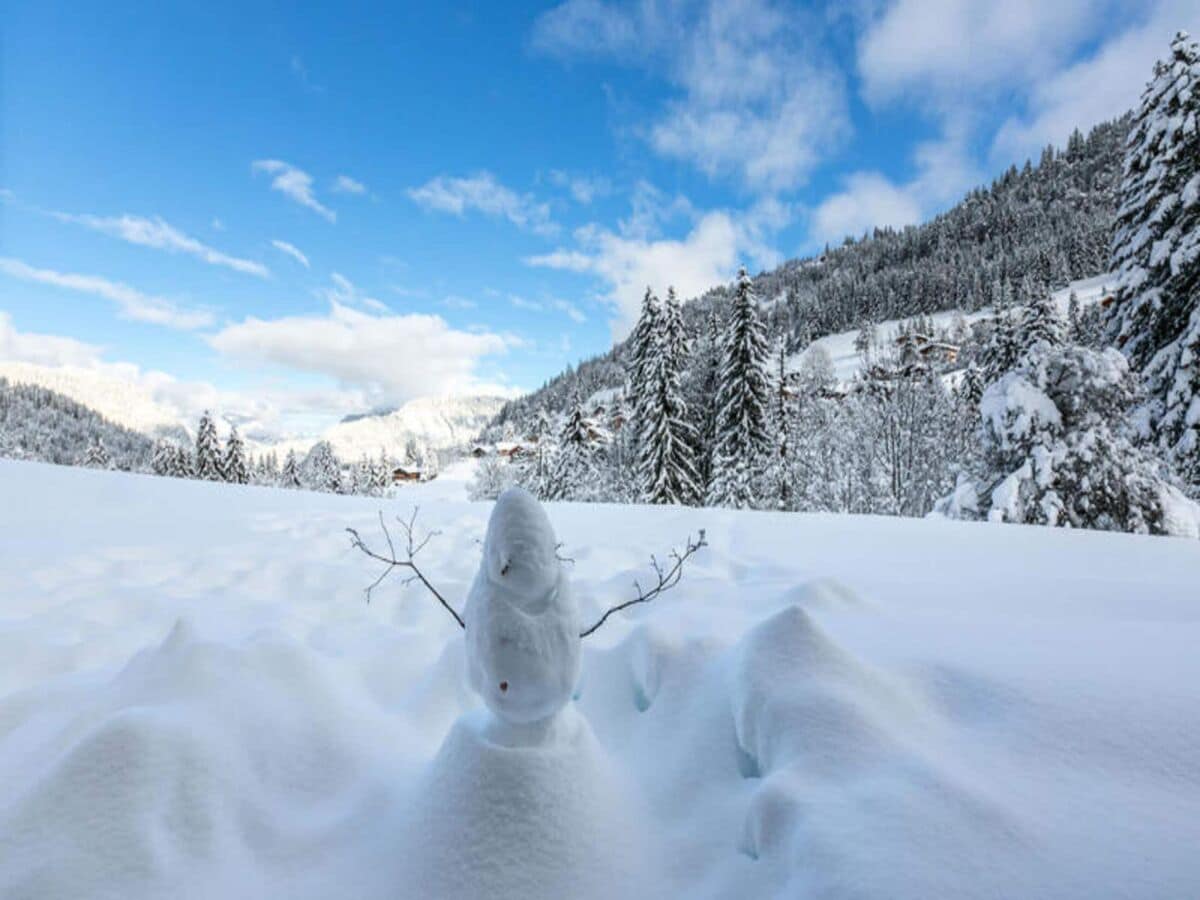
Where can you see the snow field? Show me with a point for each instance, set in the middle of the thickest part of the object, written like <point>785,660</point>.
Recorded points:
<point>195,701</point>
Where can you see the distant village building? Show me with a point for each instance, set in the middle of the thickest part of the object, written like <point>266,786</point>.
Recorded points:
<point>407,475</point>
<point>926,348</point>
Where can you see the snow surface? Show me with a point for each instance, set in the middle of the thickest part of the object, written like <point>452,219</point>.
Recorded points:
<point>195,701</point>
<point>848,362</point>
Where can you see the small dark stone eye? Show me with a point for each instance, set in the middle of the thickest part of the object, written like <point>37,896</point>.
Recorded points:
<point>504,569</point>
<point>503,686</point>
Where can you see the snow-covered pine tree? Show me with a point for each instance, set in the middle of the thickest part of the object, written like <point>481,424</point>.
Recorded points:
<point>1156,251</point>
<point>572,476</point>
<point>182,464</point>
<point>666,468</point>
<point>1041,323</point>
<point>233,464</point>
<point>701,395</point>
<point>780,471</point>
<point>642,346</point>
<point>1056,452</point>
<point>208,451</point>
<point>364,478</point>
<point>743,399</point>
<point>289,475</point>
<point>1074,326</point>
<point>163,459</point>
<point>96,456</point>
<point>321,470</point>
<point>1004,347</point>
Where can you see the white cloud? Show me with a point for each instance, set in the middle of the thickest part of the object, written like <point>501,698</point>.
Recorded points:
<point>131,303</point>
<point>43,349</point>
<point>938,49</point>
<point>294,183</point>
<point>1101,86</point>
<point>482,192</point>
<point>145,399</point>
<point>344,184</point>
<point>292,251</point>
<point>155,233</point>
<point>869,201</point>
<point>756,97</point>
<point>391,358</point>
<point>627,261</point>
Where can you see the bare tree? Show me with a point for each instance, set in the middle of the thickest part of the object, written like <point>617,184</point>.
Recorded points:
<point>666,577</point>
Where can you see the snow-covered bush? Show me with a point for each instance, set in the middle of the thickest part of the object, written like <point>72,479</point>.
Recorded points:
<point>1056,450</point>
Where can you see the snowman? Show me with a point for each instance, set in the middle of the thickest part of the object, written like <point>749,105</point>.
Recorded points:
<point>522,626</point>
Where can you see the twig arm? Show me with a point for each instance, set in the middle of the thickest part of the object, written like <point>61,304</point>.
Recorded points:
<point>392,562</point>
<point>665,580</point>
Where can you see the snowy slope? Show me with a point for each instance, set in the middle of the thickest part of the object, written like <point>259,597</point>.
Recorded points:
<point>848,362</point>
<point>195,701</point>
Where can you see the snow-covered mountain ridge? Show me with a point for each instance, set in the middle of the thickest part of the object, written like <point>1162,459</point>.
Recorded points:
<point>136,401</point>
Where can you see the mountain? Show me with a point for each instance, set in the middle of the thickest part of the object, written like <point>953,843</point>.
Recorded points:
<point>436,423</point>
<point>1035,228</point>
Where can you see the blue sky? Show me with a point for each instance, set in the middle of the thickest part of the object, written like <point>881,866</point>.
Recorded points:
<point>290,216</point>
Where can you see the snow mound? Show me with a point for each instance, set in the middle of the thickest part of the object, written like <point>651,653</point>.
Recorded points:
<point>196,759</point>
<point>525,811</point>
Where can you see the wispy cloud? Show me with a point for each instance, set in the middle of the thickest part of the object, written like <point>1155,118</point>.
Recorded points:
<point>291,250</point>
<point>557,304</point>
<point>344,184</point>
<point>131,303</point>
<point>583,188</point>
<point>155,233</point>
<point>483,193</point>
<point>343,292</point>
<point>293,183</point>
<point>300,73</point>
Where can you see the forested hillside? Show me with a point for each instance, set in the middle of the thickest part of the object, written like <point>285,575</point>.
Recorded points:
<point>1035,227</point>
<point>37,423</point>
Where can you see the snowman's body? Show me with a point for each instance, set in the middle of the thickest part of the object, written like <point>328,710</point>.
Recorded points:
<point>522,626</point>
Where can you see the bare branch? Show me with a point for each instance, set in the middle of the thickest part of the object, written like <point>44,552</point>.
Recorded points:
<point>413,546</point>
<point>665,580</point>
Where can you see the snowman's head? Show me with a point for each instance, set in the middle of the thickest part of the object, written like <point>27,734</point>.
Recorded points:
<point>520,551</point>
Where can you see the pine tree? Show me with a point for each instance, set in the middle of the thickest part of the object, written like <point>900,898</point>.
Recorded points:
<point>233,464</point>
<point>182,465</point>
<point>1004,347</point>
<point>97,456</point>
<point>665,452</point>
<point>1041,324</point>
<point>743,397</point>
<point>1074,326</point>
<point>781,474</point>
<point>321,470</point>
<point>572,476</point>
<point>642,347</point>
<point>1155,320</point>
<point>208,451</point>
<point>289,476</point>
<point>164,456</point>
